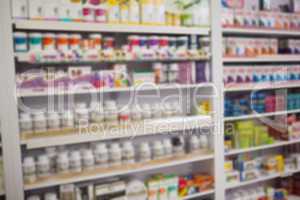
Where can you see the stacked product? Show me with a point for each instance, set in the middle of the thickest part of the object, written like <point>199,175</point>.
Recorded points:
<point>76,79</point>
<point>62,47</point>
<point>256,102</point>
<point>293,127</point>
<point>293,101</point>
<point>255,47</point>
<point>260,75</point>
<point>67,161</point>
<point>247,168</point>
<point>249,47</point>
<point>289,46</point>
<point>108,114</point>
<point>151,12</point>
<point>251,133</point>
<point>246,134</point>
<point>185,186</point>
<point>167,187</point>
<point>259,193</point>
<point>237,107</point>
<point>269,14</point>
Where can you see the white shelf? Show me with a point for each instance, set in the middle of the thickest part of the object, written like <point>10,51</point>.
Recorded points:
<point>98,27</point>
<point>198,195</point>
<point>264,147</point>
<point>260,31</point>
<point>292,197</point>
<point>267,86</point>
<point>146,128</point>
<point>263,59</point>
<point>76,91</point>
<point>261,179</point>
<point>54,181</point>
<point>260,115</point>
<point>26,58</point>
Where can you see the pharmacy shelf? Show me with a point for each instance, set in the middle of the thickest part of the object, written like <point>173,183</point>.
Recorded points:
<point>260,31</point>
<point>268,86</point>
<point>263,147</point>
<point>260,115</point>
<point>262,179</point>
<point>116,28</point>
<point>263,59</point>
<point>199,195</point>
<point>13,160</point>
<point>141,88</point>
<point>25,58</point>
<point>145,128</point>
<point>95,174</point>
<point>259,180</point>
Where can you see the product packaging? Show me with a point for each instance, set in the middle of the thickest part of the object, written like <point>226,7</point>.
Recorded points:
<point>275,5</point>
<point>36,9</point>
<point>232,177</point>
<point>74,10</point>
<point>20,9</point>
<point>20,42</point>
<point>252,5</point>
<point>101,12</point>
<point>67,192</point>
<point>240,18</point>
<point>159,10</point>
<point>296,6</point>
<point>249,175</point>
<point>51,9</point>
<point>81,77</point>
<point>147,11</point>
<point>124,13</point>
<point>134,12</point>
<point>113,11</point>
<point>227,18</point>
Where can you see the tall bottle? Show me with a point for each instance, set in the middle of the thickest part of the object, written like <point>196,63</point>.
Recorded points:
<point>88,10</point>
<point>101,12</point>
<point>160,11</point>
<point>201,13</point>
<point>113,11</point>
<point>75,9</point>
<point>124,12</point>
<point>134,12</point>
<point>147,12</point>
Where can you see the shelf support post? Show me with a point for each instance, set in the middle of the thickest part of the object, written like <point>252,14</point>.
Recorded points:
<point>11,150</point>
<point>217,76</point>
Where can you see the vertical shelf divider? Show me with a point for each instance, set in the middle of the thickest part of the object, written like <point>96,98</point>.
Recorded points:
<point>13,176</point>
<point>217,75</point>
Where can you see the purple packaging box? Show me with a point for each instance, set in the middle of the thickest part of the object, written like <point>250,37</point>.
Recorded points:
<point>202,73</point>
<point>185,73</point>
<point>34,79</point>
